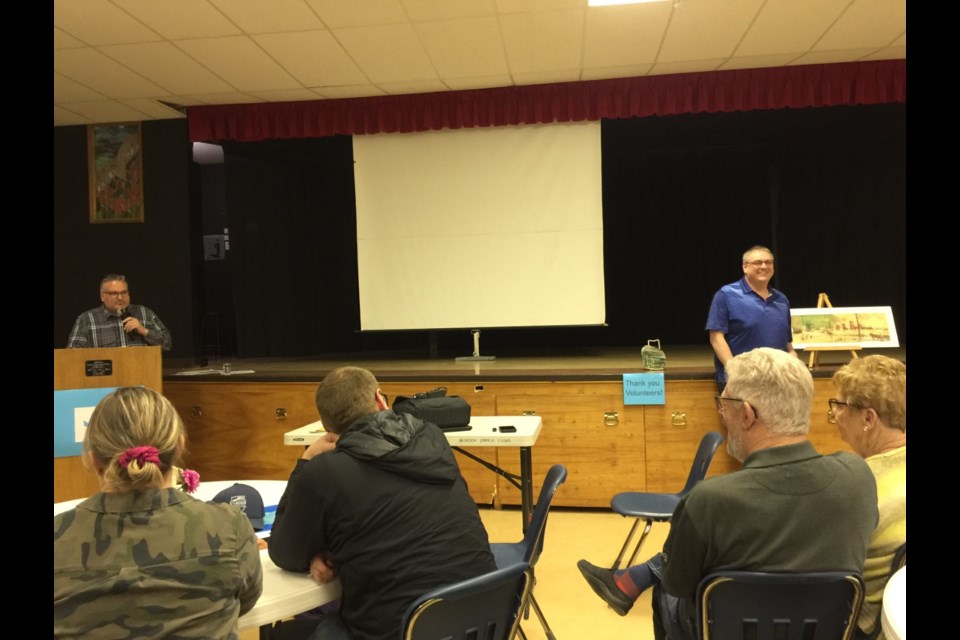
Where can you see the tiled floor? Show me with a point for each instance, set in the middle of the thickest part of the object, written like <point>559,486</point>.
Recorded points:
<point>571,608</point>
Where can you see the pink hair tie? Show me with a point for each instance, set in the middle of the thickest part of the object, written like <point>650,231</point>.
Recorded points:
<point>140,454</point>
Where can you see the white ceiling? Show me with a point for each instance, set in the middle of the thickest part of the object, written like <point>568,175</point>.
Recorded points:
<point>116,60</point>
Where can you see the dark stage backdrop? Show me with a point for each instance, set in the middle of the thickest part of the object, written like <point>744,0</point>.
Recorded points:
<point>684,196</point>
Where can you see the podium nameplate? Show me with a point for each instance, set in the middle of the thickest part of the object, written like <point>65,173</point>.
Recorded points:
<point>99,368</point>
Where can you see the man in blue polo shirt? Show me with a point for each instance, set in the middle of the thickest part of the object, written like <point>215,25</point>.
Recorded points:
<point>749,313</point>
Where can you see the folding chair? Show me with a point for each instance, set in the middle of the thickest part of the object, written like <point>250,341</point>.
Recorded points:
<point>659,507</point>
<point>747,605</point>
<point>528,550</point>
<point>483,608</point>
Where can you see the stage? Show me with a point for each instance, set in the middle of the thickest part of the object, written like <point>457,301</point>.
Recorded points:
<point>684,362</point>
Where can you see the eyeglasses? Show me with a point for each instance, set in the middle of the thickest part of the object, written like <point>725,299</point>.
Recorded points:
<point>833,404</point>
<point>760,263</point>
<point>116,294</point>
<point>719,401</point>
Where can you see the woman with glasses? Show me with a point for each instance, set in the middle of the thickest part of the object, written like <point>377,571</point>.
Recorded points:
<point>870,411</point>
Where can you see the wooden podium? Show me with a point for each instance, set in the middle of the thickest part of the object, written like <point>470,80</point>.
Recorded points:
<point>92,369</point>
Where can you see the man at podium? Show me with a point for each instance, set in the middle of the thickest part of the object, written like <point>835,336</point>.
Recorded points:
<point>117,323</point>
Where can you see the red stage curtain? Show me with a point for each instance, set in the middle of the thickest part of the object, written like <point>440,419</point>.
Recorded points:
<point>822,85</point>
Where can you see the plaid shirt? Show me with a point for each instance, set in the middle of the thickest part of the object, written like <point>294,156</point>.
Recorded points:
<point>99,328</point>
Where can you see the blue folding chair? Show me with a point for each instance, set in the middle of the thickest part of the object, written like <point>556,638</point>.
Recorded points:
<point>528,550</point>
<point>659,507</point>
<point>748,605</point>
<point>483,608</point>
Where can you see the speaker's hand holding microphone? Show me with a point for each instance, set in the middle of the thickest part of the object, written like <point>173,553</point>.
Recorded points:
<point>130,322</point>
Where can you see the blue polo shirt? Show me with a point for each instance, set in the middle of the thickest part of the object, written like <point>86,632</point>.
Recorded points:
<point>748,321</point>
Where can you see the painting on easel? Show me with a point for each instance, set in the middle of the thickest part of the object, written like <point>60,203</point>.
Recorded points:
<point>115,164</point>
<point>865,327</point>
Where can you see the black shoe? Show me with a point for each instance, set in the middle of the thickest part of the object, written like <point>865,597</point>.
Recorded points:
<point>604,585</point>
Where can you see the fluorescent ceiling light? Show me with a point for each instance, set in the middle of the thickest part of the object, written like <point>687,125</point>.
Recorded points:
<point>605,3</point>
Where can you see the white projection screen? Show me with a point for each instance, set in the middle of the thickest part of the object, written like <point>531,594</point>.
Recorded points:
<point>479,228</point>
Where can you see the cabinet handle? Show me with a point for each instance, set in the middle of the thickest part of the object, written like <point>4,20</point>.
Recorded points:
<point>678,419</point>
<point>611,418</point>
<point>281,413</point>
<point>196,412</point>
<point>528,413</point>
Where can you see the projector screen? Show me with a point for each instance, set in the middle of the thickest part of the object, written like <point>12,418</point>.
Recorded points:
<point>479,228</point>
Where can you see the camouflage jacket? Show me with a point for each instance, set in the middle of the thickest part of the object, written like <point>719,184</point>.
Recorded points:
<point>152,564</point>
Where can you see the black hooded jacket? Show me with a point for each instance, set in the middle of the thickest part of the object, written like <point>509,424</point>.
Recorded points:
<point>391,510</point>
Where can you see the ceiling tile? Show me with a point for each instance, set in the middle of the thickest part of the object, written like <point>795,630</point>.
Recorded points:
<point>66,90</point>
<point>888,53</point>
<point>65,118</point>
<point>689,66</point>
<point>257,16</point>
<point>153,108</point>
<point>106,111</point>
<point>788,26</point>
<point>866,24</point>
<point>605,73</point>
<point>704,30</point>
<point>413,86</point>
<point>167,66</point>
<point>184,101</point>
<point>292,95</point>
<point>624,35</point>
<point>356,91</point>
<point>97,22</point>
<point>240,62</point>
<point>175,19</point>
<point>546,77</point>
<point>388,53</point>
<point>759,62</point>
<point>95,70</point>
<point>233,97</point>
<point>828,57</point>
<point>63,40</point>
<point>522,6</point>
<point>469,47</point>
<point>358,13</point>
<point>543,42</point>
<point>314,58</point>
<point>486,82</point>
<point>420,10</point>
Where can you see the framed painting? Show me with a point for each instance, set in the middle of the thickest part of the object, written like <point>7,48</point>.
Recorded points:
<point>865,327</point>
<point>115,166</point>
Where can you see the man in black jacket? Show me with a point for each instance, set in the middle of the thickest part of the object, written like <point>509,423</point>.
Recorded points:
<point>380,502</point>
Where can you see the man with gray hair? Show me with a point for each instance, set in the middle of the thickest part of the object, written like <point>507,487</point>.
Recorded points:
<point>789,509</point>
<point>117,323</point>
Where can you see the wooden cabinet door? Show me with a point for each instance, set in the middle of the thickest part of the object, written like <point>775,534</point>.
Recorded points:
<point>587,428</point>
<point>674,430</point>
<point>235,430</point>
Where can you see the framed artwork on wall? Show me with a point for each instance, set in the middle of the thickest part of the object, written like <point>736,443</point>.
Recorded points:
<point>115,167</point>
<point>827,327</point>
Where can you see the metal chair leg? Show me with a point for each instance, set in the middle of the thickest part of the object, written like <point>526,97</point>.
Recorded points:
<point>626,543</point>
<point>543,620</point>
<point>643,538</point>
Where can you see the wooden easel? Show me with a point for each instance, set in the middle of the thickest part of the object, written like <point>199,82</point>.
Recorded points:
<point>824,301</point>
